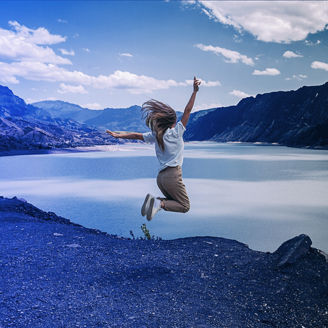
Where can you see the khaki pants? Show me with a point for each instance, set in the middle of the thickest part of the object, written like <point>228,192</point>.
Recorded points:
<point>171,185</point>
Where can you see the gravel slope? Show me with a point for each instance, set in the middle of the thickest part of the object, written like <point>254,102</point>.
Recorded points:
<point>57,274</point>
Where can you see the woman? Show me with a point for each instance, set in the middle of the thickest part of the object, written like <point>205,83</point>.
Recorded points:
<point>167,135</point>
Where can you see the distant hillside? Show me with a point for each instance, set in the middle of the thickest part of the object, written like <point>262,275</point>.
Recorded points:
<point>65,110</point>
<point>24,126</point>
<point>116,119</point>
<point>293,118</point>
<point>110,118</point>
<point>129,119</point>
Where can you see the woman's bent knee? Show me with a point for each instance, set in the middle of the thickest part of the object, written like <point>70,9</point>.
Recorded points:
<point>186,208</point>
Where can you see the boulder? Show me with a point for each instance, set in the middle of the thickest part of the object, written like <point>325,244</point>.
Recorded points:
<point>293,249</point>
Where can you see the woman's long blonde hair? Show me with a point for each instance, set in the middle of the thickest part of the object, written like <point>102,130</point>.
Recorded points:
<point>159,117</point>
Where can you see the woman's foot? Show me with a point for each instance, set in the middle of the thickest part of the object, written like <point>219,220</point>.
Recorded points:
<point>145,204</point>
<point>154,207</point>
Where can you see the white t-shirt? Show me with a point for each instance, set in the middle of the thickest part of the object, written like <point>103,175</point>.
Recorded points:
<point>173,146</point>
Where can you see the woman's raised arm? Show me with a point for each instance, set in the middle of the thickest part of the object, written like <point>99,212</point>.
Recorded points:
<point>190,105</point>
<point>126,135</point>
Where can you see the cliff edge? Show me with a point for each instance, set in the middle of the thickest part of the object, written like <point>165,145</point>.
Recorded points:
<point>55,273</point>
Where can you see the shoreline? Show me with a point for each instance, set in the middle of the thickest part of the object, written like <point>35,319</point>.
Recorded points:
<point>19,152</point>
<point>96,148</point>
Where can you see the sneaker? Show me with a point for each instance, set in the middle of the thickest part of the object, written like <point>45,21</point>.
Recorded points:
<point>145,205</point>
<point>154,207</point>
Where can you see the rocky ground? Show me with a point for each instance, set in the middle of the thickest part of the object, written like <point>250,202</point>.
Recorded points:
<point>54,273</point>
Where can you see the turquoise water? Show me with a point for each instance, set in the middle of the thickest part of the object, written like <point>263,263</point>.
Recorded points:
<point>258,194</point>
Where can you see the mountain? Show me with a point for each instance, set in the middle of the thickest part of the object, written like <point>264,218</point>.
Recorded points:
<point>25,126</point>
<point>293,118</point>
<point>129,119</point>
<point>66,110</point>
<point>116,119</point>
<point>11,105</point>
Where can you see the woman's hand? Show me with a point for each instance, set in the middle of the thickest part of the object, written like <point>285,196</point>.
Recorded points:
<point>196,84</point>
<point>113,134</point>
<point>190,105</point>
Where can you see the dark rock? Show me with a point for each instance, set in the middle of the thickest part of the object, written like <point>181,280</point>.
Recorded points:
<point>26,127</point>
<point>325,255</point>
<point>293,118</point>
<point>293,249</point>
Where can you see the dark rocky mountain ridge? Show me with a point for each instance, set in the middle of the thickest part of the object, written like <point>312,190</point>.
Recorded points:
<point>293,118</point>
<point>25,127</point>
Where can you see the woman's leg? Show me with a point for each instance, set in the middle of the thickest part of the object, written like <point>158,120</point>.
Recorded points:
<point>170,183</point>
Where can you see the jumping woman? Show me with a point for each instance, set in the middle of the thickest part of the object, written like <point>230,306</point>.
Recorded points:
<point>167,134</point>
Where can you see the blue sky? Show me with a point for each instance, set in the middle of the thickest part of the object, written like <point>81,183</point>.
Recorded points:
<point>121,53</point>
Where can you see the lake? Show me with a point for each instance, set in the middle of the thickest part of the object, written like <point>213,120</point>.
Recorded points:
<point>260,195</point>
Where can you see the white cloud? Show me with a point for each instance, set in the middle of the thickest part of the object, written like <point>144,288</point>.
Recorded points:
<point>237,38</point>
<point>267,71</point>
<point>60,20</point>
<point>94,106</point>
<point>270,21</point>
<point>188,2</point>
<point>86,49</point>
<point>38,36</point>
<point>126,54</point>
<point>239,94</point>
<point>231,55</point>
<point>320,65</point>
<point>38,71</point>
<point>28,44</point>
<point>298,77</point>
<point>6,74</point>
<point>66,52</point>
<point>203,83</point>
<point>208,14</point>
<point>310,43</point>
<point>291,54</point>
<point>133,83</point>
<point>66,88</point>
<point>32,61</point>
